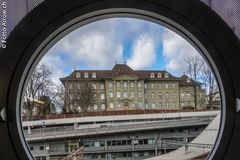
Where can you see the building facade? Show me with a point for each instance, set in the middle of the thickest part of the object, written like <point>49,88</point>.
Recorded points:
<point>123,88</point>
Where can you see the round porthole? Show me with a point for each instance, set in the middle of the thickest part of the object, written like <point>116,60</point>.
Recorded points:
<point>51,20</point>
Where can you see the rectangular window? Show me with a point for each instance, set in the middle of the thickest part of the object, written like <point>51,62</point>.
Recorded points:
<point>102,96</point>
<point>139,94</point>
<point>101,86</point>
<point>95,107</point>
<point>182,95</point>
<point>146,105</point>
<point>140,104</point>
<point>167,105</point>
<point>110,94</point>
<point>85,75</point>
<point>118,84</point>
<point>152,85</point>
<point>118,94</point>
<point>146,96</point>
<point>182,104</point>
<point>153,96</point>
<point>132,94</point>
<point>94,86</point>
<point>125,84</point>
<point>151,141</point>
<point>78,86</point>
<point>41,147</point>
<point>119,105</point>
<point>174,95</point>
<point>166,85</point>
<point>70,86</point>
<point>110,84</point>
<point>139,84</point>
<point>31,148</point>
<point>145,86</point>
<point>133,104</point>
<point>153,105</point>
<point>103,106</point>
<point>174,85</point>
<point>94,75</point>
<point>160,105</point>
<point>132,84</point>
<point>167,95</point>
<point>160,96</point>
<point>111,105</point>
<point>125,94</point>
<point>188,95</point>
<point>159,85</point>
<point>174,105</point>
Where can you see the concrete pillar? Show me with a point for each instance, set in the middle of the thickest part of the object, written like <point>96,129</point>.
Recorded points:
<point>105,146</point>
<point>75,125</point>
<point>29,129</point>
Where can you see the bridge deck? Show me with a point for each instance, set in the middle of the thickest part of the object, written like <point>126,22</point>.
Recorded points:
<point>207,137</point>
<point>66,132</point>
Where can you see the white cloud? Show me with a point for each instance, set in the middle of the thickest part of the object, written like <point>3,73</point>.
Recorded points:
<point>53,63</point>
<point>143,54</point>
<point>176,50</point>
<point>98,45</point>
<point>93,50</point>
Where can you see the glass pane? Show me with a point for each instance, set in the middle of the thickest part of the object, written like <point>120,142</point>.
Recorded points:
<point>121,88</point>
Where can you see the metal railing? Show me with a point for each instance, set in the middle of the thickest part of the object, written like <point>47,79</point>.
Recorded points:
<point>69,131</point>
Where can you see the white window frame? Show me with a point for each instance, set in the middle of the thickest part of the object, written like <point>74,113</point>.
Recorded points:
<point>103,106</point>
<point>118,94</point>
<point>132,84</point>
<point>125,94</point>
<point>111,105</point>
<point>139,94</point>
<point>125,84</point>
<point>153,105</point>
<point>101,86</point>
<point>95,107</point>
<point>152,75</point>
<point>132,94</point>
<point>139,84</point>
<point>86,75</point>
<point>94,75</point>
<point>110,94</point>
<point>102,96</point>
<point>78,75</point>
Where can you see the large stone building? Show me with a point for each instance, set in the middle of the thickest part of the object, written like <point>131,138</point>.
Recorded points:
<point>123,88</point>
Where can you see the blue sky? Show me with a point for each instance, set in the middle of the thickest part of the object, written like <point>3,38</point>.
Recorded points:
<point>142,44</point>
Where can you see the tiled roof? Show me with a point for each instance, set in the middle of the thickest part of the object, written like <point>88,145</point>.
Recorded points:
<point>186,81</point>
<point>125,69</point>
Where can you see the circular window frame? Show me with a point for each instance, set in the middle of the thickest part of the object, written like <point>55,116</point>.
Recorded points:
<point>39,29</point>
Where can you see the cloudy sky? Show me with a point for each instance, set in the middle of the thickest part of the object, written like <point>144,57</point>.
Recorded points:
<point>139,43</point>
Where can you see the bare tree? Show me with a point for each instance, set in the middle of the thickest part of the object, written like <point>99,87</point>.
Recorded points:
<point>194,67</point>
<point>39,85</point>
<point>86,96</point>
<point>210,84</point>
<point>62,99</point>
<point>82,95</point>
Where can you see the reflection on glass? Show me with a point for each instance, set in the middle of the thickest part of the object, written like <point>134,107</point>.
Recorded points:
<point>121,88</point>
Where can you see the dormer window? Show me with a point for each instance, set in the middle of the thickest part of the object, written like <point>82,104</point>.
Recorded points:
<point>86,75</point>
<point>152,75</point>
<point>166,75</point>
<point>94,75</point>
<point>159,75</point>
<point>78,75</point>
